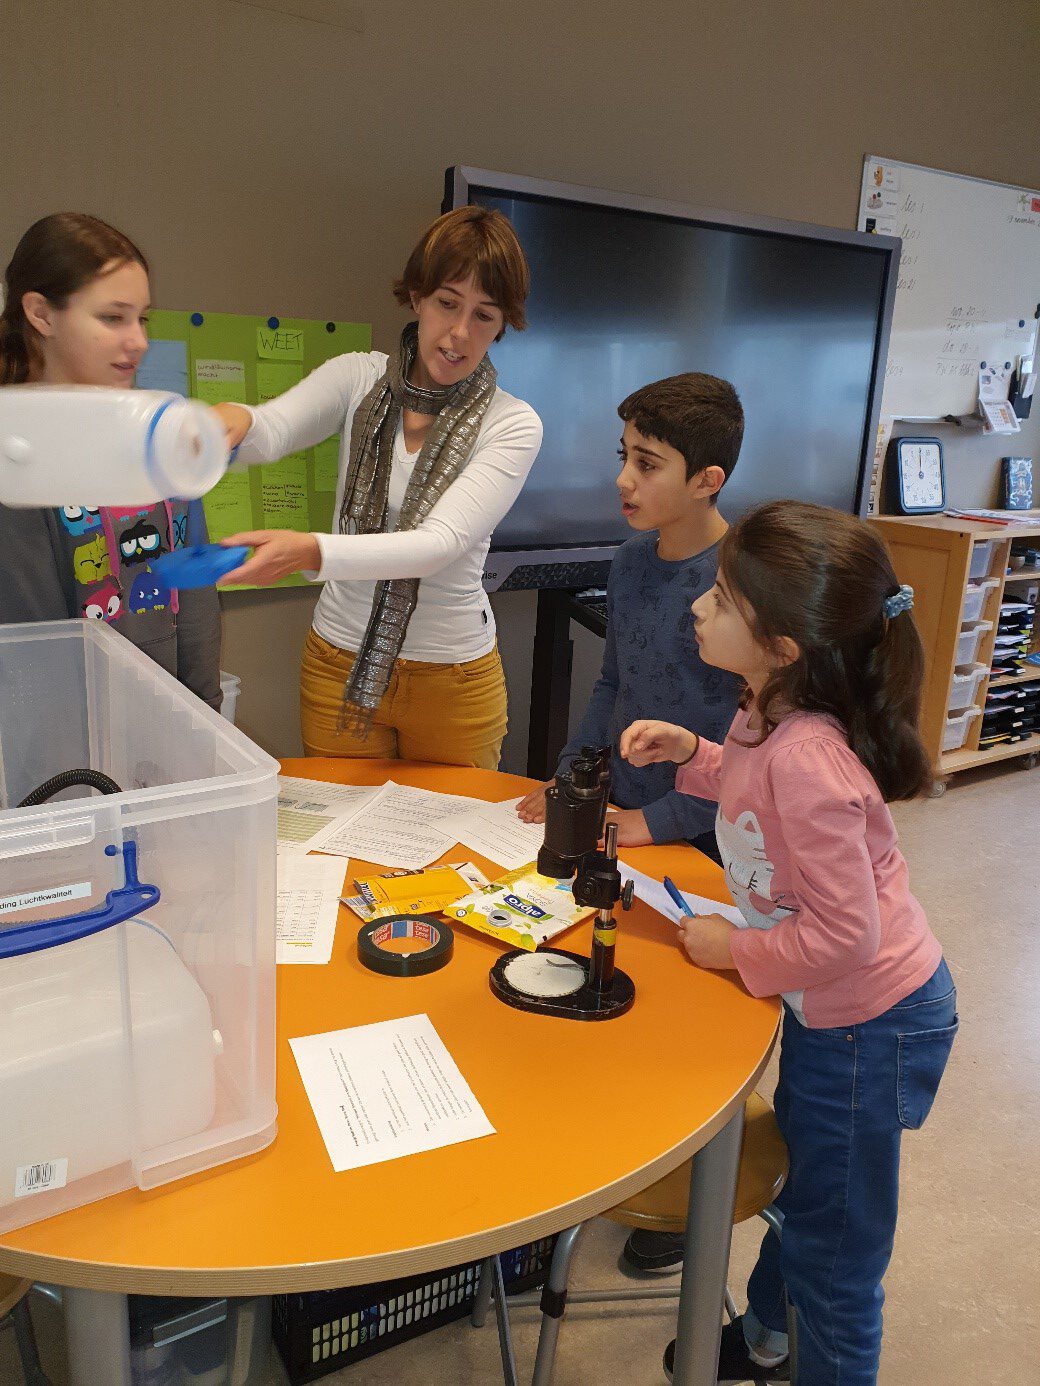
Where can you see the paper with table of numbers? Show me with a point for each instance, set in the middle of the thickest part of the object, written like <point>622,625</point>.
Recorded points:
<point>400,826</point>
<point>308,907</point>
<point>305,807</point>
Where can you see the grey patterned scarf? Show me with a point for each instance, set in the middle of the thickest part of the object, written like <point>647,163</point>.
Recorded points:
<point>459,411</point>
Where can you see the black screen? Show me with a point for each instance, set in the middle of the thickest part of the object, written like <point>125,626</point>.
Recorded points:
<point>620,298</point>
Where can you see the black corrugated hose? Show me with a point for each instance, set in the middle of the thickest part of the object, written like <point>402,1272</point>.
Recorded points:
<point>94,779</point>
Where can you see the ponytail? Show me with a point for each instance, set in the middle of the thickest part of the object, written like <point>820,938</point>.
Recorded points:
<point>57,256</point>
<point>14,354</point>
<point>884,726</point>
<point>825,580</point>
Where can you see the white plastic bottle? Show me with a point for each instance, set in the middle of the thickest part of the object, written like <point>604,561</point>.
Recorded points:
<point>88,445</point>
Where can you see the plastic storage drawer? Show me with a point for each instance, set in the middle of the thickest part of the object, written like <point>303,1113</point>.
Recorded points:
<point>968,642</point>
<point>975,595</point>
<point>137,929</point>
<point>964,687</point>
<point>981,558</point>
<point>955,732</point>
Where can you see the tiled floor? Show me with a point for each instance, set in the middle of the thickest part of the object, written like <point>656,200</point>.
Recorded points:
<point>964,1287</point>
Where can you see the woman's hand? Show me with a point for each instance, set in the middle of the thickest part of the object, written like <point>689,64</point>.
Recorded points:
<point>631,828</point>
<point>645,743</point>
<point>235,421</point>
<point>705,938</point>
<point>276,554</point>
<point>531,808</point>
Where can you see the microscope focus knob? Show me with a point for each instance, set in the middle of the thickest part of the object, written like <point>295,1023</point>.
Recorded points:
<point>626,895</point>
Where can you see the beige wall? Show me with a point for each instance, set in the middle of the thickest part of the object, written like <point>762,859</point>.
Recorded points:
<point>270,164</point>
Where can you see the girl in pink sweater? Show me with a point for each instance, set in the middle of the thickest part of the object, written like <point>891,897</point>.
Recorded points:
<point>808,611</point>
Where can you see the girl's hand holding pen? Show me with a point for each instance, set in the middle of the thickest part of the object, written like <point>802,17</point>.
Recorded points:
<point>705,939</point>
<point>645,743</point>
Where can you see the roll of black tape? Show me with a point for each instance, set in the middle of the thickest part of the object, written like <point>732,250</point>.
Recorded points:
<point>438,937</point>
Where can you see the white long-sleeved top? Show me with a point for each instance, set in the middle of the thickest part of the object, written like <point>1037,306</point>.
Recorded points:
<point>452,621</point>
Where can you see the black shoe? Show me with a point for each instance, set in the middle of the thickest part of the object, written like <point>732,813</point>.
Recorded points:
<point>658,1252</point>
<point>735,1362</point>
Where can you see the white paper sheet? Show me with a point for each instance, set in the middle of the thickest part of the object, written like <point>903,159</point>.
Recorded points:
<point>305,807</point>
<point>308,905</point>
<point>386,1090</point>
<point>495,832</point>
<point>653,893</point>
<point>398,827</point>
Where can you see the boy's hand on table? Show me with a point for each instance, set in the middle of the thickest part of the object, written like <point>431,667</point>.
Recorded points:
<point>705,938</point>
<point>531,808</point>
<point>631,828</point>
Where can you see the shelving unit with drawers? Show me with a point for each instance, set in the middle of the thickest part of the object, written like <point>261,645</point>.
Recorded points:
<point>959,572</point>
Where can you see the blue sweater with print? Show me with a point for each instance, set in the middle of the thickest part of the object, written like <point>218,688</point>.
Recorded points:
<point>652,668</point>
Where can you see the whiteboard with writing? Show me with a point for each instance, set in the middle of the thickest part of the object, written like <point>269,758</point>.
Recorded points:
<point>969,281</point>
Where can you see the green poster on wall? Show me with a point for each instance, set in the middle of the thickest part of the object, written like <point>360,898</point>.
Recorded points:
<point>234,358</point>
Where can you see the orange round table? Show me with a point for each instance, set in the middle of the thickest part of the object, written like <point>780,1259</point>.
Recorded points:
<point>584,1115</point>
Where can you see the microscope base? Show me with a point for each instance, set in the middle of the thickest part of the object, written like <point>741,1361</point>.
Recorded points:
<point>554,982</point>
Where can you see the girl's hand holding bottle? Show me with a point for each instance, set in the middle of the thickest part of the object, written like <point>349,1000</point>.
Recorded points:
<point>645,743</point>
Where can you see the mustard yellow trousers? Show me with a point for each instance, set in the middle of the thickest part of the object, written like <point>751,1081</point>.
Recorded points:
<point>452,714</point>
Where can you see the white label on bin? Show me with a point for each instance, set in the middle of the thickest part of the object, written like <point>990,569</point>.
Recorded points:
<point>10,904</point>
<point>33,1179</point>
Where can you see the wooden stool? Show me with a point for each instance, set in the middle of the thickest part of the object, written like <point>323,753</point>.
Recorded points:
<point>14,1310</point>
<point>660,1208</point>
<point>763,1169</point>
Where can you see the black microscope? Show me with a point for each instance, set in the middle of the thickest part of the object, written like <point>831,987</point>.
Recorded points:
<point>552,980</point>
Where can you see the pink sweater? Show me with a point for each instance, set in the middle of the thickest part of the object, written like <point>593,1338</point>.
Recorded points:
<point>813,863</point>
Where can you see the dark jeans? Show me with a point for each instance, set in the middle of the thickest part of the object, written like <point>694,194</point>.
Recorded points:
<point>844,1099</point>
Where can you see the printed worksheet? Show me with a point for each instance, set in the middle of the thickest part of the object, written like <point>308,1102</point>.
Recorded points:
<point>305,807</point>
<point>653,893</point>
<point>400,826</point>
<point>497,833</point>
<point>386,1090</point>
<point>308,906</point>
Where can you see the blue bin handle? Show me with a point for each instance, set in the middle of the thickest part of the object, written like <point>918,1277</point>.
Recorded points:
<point>120,904</point>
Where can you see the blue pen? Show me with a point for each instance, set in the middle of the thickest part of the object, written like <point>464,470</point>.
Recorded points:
<point>674,892</point>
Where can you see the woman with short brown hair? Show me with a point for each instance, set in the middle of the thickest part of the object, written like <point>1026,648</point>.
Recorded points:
<point>401,660</point>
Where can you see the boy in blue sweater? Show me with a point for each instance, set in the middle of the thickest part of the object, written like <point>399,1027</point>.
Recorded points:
<point>681,440</point>
<point>680,443</point>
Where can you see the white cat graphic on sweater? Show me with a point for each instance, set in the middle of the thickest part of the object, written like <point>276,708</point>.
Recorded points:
<point>749,875</point>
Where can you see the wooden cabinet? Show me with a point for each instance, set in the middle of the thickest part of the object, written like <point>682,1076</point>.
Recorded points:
<point>934,554</point>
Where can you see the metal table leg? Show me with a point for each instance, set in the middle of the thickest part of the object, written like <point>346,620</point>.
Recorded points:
<point>553,1301</point>
<point>97,1330</point>
<point>709,1230</point>
<point>27,1349</point>
<point>485,1280</point>
<point>505,1337</point>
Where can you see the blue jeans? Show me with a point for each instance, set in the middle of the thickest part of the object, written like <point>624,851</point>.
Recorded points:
<point>844,1099</point>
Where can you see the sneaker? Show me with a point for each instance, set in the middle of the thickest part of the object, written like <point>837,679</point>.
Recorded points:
<point>653,1252</point>
<point>735,1362</point>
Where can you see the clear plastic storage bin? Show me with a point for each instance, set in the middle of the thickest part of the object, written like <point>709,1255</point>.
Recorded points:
<point>955,732</point>
<point>981,558</point>
<point>975,595</point>
<point>137,929</point>
<point>964,686</point>
<point>968,642</point>
<point>230,684</point>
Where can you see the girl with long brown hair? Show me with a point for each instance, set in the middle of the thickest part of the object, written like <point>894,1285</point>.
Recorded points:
<point>75,313</point>
<point>807,610</point>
